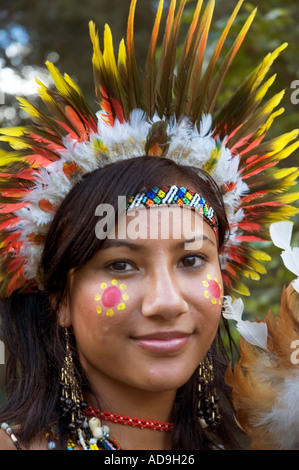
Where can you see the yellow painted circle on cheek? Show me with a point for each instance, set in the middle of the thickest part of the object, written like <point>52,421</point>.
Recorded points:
<point>120,306</point>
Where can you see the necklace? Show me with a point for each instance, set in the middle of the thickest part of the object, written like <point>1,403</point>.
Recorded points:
<point>127,420</point>
<point>96,434</point>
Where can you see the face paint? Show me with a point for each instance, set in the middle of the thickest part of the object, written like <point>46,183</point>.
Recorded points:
<point>112,298</point>
<point>213,290</point>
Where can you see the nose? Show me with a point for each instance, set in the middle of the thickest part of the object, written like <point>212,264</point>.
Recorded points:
<point>164,296</point>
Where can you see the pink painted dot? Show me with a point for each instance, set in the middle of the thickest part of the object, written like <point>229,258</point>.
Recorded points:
<point>111,296</point>
<point>214,289</point>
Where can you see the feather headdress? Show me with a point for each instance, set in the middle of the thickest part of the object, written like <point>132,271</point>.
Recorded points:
<point>170,111</point>
<point>265,380</point>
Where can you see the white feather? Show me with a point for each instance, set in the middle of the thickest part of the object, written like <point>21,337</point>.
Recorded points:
<point>291,260</point>
<point>206,125</point>
<point>295,284</point>
<point>281,233</point>
<point>282,421</point>
<point>255,333</point>
<point>124,140</point>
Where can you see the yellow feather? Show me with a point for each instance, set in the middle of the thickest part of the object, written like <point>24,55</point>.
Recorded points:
<point>210,69</point>
<point>264,88</point>
<point>97,58</point>
<point>122,55</point>
<point>289,150</point>
<point>73,84</point>
<point>216,84</point>
<point>267,62</point>
<point>13,131</point>
<point>255,121</point>
<point>289,173</point>
<point>261,255</point>
<point>273,102</point>
<point>108,55</point>
<point>15,143</point>
<point>134,90</point>
<point>148,86</point>
<point>251,274</point>
<point>59,81</point>
<point>241,288</point>
<point>282,213</point>
<point>259,268</point>
<point>28,107</point>
<point>225,33</point>
<point>277,144</point>
<point>43,91</point>
<point>203,31</point>
<point>289,198</point>
<point>266,126</point>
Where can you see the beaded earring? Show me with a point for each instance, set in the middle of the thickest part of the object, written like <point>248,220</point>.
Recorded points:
<point>207,410</point>
<point>71,396</point>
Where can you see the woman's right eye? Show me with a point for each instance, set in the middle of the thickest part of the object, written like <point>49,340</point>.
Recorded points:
<point>120,266</point>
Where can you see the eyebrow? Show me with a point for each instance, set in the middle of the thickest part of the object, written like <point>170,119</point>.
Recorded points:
<point>202,237</point>
<point>115,243</point>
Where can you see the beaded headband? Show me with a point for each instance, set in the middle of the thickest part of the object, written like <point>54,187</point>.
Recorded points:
<point>168,195</point>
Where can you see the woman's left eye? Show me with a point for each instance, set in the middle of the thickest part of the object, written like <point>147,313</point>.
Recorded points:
<point>192,261</point>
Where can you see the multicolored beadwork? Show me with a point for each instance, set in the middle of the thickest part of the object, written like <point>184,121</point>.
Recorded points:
<point>168,195</point>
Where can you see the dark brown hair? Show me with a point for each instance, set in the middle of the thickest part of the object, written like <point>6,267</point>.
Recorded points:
<point>30,326</point>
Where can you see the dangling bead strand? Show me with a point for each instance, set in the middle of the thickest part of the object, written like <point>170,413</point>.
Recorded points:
<point>8,431</point>
<point>101,434</point>
<point>208,410</point>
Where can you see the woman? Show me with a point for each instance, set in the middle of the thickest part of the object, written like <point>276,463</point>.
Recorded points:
<point>103,323</point>
<point>135,360</point>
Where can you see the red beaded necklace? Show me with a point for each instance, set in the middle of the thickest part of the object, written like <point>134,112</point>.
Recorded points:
<point>140,423</point>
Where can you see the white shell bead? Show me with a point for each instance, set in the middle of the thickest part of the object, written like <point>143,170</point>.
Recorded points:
<point>94,423</point>
<point>98,433</point>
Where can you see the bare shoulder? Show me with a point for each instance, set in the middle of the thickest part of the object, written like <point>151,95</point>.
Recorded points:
<point>6,442</point>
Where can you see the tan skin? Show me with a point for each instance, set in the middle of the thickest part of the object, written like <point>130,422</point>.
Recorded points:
<point>139,355</point>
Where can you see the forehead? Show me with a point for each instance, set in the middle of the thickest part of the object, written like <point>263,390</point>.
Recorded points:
<point>163,223</point>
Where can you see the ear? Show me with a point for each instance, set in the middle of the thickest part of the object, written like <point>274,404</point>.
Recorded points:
<point>64,314</point>
<point>64,310</point>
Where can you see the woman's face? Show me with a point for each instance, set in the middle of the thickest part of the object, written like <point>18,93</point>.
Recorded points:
<point>145,310</point>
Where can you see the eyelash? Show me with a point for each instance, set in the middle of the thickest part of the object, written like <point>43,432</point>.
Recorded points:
<point>110,266</point>
<point>201,257</point>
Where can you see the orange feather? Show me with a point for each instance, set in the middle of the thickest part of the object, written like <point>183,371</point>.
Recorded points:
<point>264,383</point>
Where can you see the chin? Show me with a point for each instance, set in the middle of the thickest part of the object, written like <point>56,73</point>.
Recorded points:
<point>166,381</point>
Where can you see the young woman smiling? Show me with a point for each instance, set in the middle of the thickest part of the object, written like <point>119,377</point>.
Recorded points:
<point>126,329</point>
<point>141,360</point>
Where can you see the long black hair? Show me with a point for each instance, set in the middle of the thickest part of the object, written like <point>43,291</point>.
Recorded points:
<point>29,322</point>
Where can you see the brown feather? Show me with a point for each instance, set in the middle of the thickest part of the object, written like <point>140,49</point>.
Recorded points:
<point>260,380</point>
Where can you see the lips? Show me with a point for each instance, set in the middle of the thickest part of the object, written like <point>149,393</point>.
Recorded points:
<point>163,342</point>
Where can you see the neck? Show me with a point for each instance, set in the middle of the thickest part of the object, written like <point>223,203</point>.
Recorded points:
<point>136,404</point>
